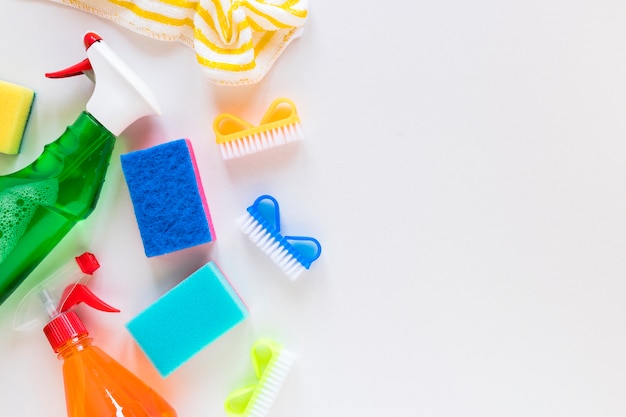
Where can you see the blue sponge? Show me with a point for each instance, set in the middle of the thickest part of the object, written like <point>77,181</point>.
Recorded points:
<point>167,196</point>
<point>189,317</point>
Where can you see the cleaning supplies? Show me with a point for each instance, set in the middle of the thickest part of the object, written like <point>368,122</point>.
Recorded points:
<point>168,199</point>
<point>40,203</point>
<point>193,314</point>
<point>279,125</point>
<point>272,364</point>
<point>96,385</point>
<point>293,254</point>
<point>15,105</point>
<point>236,42</point>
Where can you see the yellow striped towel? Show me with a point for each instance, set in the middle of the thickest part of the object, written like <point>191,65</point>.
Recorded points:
<point>236,41</point>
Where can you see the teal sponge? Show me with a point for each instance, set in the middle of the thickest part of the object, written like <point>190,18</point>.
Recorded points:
<point>189,317</point>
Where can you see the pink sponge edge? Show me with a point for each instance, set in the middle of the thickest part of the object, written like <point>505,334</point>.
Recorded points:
<point>200,188</point>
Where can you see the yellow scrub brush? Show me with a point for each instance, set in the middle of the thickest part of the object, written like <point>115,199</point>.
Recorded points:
<point>236,137</point>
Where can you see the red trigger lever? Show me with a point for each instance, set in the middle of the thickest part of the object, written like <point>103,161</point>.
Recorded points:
<point>80,68</point>
<point>77,69</point>
<point>75,294</point>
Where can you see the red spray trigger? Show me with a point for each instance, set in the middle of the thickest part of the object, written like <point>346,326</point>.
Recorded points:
<point>66,325</point>
<point>83,66</point>
<point>77,69</point>
<point>75,294</point>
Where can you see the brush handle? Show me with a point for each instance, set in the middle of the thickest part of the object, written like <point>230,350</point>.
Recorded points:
<point>263,351</point>
<point>281,109</point>
<point>266,211</point>
<point>305,243</point>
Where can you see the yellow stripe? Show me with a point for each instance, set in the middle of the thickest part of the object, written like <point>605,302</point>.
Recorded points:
<point>192,4</point>
<point>188,22</point>
<point>267,37</point>
<point>288,7</point>
<point>241,27</point>
<point>152,15</point>
<point>208,19</point>
<point>196,7</point>
<point>266,16</point>
<point>223,20</point>
<point>225,66</point>
<point>255,26</point>
<point>227,30</point>
<point>181,3</point>
<point>198,35</point>
<point>299,13</point>
<point>262,42</point>
<point>165,19</point>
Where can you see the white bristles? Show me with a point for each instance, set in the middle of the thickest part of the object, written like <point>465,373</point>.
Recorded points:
<point>261,141</point>
<point>270,246</point>
<point>271,383</point>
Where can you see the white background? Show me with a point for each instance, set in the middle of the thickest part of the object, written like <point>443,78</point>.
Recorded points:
<point>464,169</point>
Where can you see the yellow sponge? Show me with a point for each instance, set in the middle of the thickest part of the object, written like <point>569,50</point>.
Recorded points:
<point>15,104</point>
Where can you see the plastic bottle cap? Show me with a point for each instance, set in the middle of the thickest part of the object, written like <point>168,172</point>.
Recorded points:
<point>64,327</point>
<point>87,263</point>
<point>90,38</point>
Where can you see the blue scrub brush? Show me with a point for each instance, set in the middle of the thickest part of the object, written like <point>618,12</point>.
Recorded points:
<point>293,254</point>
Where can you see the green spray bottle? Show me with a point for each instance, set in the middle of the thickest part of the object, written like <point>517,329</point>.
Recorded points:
<point>40,203</point>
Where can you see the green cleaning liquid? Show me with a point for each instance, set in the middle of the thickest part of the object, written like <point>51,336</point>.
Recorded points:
<point>40,203</point>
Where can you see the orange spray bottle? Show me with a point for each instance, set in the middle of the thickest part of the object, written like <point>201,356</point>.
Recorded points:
<point>96,385</point>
